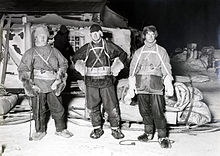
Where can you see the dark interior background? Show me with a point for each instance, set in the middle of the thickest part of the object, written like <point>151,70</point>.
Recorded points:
<point>178,21</point>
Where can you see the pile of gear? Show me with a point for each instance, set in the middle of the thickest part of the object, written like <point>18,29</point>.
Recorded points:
<point>189,105</point>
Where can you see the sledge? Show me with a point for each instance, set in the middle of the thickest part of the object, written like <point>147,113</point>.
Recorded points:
<point>7,102</point>
<point>20,112</point>
<point>186,113</point>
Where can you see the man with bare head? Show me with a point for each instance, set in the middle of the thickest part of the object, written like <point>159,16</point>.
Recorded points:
<point>43,72</point>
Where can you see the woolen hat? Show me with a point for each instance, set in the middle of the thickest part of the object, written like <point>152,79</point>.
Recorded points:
<point>95,28</point>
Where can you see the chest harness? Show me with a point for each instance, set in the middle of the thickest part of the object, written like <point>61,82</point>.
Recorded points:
<point>148,52</point>
<point>98,71</point>
<point>44,74</point>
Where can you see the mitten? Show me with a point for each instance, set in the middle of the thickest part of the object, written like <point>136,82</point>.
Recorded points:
<point>131,91</point>
<point>60,83</point>
<point>30,89</point>
<point>80,67</point>
<point>169,91</point>
<point>116,66</point>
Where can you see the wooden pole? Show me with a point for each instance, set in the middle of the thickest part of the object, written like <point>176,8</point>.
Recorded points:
<point>27,33</point>
<point>1,44</point>
<point>1,38</point>
<point>5,60</point>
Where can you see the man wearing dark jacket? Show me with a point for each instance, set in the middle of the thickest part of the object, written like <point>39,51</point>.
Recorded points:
<point>99,62</point>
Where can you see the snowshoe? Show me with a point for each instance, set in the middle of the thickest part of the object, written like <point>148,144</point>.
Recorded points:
<point>117,134</point>
<point>164,142</point>
<point>145,137</point>
<point>96,133</point>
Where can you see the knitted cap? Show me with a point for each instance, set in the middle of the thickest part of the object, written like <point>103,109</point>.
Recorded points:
<point>41,30</point>
<point>95,28</point>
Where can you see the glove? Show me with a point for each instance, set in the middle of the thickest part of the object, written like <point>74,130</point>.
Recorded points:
<point>80,67</point>
<point>60,88</point>
<point>36,89</point>
<point>60,77</point>
<point>30,90</point>
<point>131,91</point>
<point>116,66</point>
<point>130,94</point>
<point>169,91</point>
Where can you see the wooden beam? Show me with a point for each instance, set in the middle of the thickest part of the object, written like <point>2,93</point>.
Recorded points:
<point>1,31</point>
<point>1,44</point>
<point>5,60</point>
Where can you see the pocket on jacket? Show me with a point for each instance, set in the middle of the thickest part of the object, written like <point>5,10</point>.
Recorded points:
<point>141,82</point>
<point>156,83</point>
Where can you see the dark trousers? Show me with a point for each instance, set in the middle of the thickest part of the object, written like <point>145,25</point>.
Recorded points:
<point>95,97</point>
<point>151,108</point>
<point>40,105</point>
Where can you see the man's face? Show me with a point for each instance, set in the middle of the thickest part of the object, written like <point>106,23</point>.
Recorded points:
<point>150,36</point>
<point>41,40</point>
<point>96,36</point>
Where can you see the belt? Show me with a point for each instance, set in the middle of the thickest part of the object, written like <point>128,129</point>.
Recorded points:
<point>149,71</point>
<point>44,75</point>
<point>98,71</point>
<point>98,77</point>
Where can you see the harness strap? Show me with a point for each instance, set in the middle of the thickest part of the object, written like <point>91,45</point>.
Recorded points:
<point>45,61</point>
<point>97,55</point>
<point>137,61</point>
<point>102,48</point>
<point>150,51</point>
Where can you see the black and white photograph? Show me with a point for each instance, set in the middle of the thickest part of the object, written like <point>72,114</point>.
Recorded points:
<point>109,77</point>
